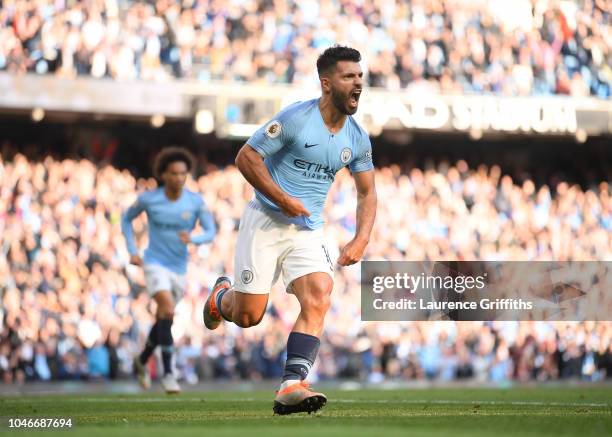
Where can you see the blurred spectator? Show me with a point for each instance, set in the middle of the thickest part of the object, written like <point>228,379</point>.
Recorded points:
<point>522,47</point>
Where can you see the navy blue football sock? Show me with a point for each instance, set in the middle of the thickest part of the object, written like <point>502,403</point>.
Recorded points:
<point>166,342</point>
<point>218,298</point>
<point>301,354</point>
<point>166,353</point>
<point>151,344</point>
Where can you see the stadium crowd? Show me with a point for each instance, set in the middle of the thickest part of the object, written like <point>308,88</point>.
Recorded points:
<point>71,307</point>
<point>523,47</point>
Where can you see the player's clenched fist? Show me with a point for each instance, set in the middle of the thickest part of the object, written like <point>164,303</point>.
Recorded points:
<point>292,207</point>
<point>352,252</point>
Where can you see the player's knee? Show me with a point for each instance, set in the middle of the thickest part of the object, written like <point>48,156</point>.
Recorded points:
<point>315,312</point>
<point>165,314</point>
<point>318,300</point>
<point>246,319</point>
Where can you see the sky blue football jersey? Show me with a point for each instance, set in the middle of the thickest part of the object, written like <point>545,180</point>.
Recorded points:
<point>303,156</point>
<point>166,219</point>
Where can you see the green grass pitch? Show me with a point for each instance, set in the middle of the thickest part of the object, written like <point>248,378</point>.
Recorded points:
<point>453,412</point>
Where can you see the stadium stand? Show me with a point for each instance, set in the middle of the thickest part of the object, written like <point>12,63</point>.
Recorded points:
<point>524,47</point>
<point>72,308</point>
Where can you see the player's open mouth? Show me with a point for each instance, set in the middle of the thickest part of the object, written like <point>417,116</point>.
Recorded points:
<point>354,97</point>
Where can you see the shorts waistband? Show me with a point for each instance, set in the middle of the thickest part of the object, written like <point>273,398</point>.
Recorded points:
<point>277,216</point>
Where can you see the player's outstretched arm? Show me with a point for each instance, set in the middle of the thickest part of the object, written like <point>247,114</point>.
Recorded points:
<point>366,213</point>
<point>251,165</point>
<point>128,231</point>
<point>208,225</point>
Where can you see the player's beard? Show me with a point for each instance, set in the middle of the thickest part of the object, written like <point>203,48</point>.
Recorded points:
<point>340,102</point>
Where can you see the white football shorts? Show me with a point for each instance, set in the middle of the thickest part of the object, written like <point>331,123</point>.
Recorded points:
<point>268,246</point>
<point>159,278</point>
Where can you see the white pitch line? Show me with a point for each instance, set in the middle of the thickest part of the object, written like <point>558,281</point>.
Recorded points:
<point>458,402</point>
<point>129,400</point>
<point>342,401</point>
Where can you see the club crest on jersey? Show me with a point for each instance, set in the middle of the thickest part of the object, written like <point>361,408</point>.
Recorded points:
<point>186,215</point>
<point>273,129</point>
<point>246,276</point>
<point>345,155</point>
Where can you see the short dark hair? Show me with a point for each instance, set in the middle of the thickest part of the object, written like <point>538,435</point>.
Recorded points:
<point>331,56</point>
<point>169,155</point>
